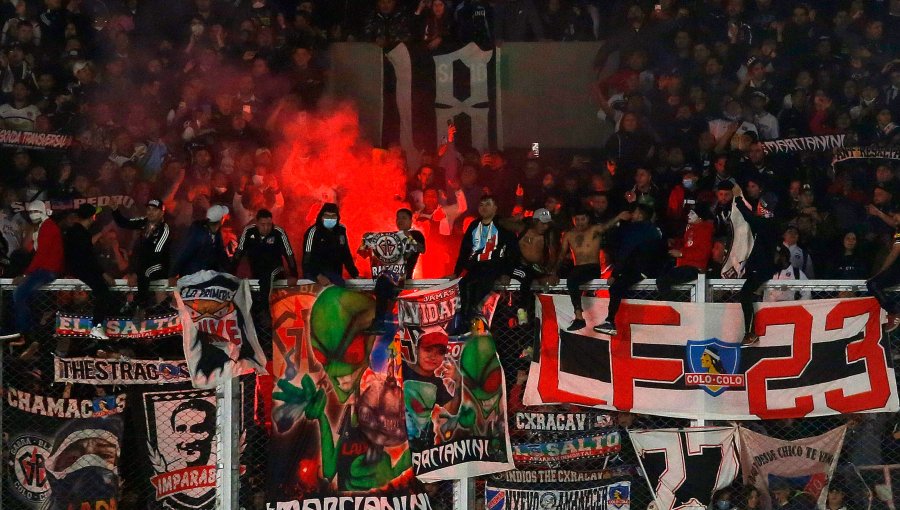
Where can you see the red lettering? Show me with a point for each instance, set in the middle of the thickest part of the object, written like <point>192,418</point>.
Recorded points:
<point>548,380</point>
<point>781,368</point>
<point>226,329</point>
<point>354,449</point>
<point>868,349</point>
<point>626,368</point>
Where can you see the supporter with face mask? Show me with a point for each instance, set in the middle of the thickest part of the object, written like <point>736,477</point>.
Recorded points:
<point>326,251</point>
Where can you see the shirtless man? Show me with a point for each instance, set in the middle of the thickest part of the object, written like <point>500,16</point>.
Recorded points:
<point>538,256</point>
<point>584,242</point>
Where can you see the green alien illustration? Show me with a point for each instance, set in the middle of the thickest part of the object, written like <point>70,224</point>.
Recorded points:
<point>371,419</point>
<point>482,382</point>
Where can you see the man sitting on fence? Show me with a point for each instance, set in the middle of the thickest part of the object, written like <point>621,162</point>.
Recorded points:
<point>45,267</point>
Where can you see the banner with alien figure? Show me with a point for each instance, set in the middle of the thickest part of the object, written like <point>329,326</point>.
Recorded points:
<point>338,433</point>
<point>453,389</point>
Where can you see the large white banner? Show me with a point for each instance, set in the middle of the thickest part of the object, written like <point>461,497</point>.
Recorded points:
<point>219,337</point>
<point>804,465</point>
<point>684,467</point>
<point>815,358</point>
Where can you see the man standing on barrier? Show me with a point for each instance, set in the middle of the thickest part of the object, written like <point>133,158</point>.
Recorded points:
<point>48,263</point>
<point>151,251</point>
<point>761,263</point>
<point>486,258</point>
<point>394,257</point>
<point>267,249</point>
<point>640,254</point>
<point>83,264</point>
<point>539,251</point>
<point>888,276</point>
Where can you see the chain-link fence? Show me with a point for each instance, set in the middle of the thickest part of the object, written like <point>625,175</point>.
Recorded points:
<point>176,443</point>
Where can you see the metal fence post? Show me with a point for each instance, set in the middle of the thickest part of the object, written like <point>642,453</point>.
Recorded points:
<point>228,428</point>
<point>699,296</point>
<point>464,494</point>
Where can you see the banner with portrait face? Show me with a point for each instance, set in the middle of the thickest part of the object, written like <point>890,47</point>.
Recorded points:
<point>454,391</point>
<point>338,429</point>
<point>63,453</point>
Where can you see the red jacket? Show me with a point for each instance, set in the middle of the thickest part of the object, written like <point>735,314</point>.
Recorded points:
<point>696,246</point>
<point>49,254</point>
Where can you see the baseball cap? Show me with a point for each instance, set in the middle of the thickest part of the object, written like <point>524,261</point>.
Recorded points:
<point>155,202</point>
<point>434,338</point>
<point>759,94</point>
<point>543,215</point>
<point>885,186</point>
<point>215,213</point>
<point>86,211</point>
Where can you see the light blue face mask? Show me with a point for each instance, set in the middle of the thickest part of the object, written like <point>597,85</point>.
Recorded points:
<point>329,223</point>
<point>723,504</point>
<point>688,184</point>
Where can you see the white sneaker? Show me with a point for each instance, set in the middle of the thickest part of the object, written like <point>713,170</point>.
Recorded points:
<point>99,332</point>
<point>11,336</point>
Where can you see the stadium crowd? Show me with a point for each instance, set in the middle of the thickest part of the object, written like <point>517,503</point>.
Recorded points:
<point>177,106</point>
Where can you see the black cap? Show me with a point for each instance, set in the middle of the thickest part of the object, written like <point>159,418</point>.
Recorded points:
<point>725,185</point>
<point>155,202</point>
<point>86,211</point>
<point>885,186</point>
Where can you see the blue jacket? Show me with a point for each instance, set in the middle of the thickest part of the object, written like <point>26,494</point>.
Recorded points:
<point>200,250</point>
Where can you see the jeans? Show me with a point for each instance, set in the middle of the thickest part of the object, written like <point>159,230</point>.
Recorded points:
<point>887,278</point>
<point>23,294</point>
<point>682,274</point>
<point>580,275</point>
<point>624,280</point>
<point>754,280</point>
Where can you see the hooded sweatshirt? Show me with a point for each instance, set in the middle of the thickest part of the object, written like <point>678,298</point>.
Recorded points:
<point>327,250</point>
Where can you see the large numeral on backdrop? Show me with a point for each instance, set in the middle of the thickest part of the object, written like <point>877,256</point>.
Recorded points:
<point>776,368</point>
<point>709,467</point>
<point>868,349</point>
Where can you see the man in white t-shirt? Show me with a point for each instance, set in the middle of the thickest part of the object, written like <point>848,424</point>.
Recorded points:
<point>20,114</point>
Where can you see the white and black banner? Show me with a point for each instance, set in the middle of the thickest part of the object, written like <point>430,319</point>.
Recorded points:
<point>430,90</point>
<point>219,337</point>
<point>684,467</point>
<point>101,371</point>
<point>806,465</point>
<point>594,495</point>
<point>684,360</point>
<point>562,422</point>
<point>818,143</point>
<point>865,153</point>
<point>404,501</point>
<point>181,441</point>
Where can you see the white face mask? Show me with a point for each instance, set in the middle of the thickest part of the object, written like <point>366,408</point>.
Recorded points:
<point>36,216</point>
<point>692,217</point>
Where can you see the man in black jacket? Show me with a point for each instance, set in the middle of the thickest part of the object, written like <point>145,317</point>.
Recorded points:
<point>151,252</point>
<point>760,265</point>
<point>326,251</point>
<point>83,264</point>
<point>267,248</point>
<point>203,248</point>
<point>487,257</point>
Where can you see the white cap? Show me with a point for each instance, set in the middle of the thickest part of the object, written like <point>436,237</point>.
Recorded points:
<point>215,213</point>
<point>543,215</point>
<point>81,64</point>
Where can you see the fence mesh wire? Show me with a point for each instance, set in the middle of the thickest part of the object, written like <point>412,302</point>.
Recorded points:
<point>158,437</point>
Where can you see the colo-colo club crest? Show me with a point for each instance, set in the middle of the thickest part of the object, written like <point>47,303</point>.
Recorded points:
<point>713,365</point>
<point>28,456</point>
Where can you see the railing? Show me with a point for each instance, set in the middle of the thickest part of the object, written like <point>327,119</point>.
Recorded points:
<point>235,490</point>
